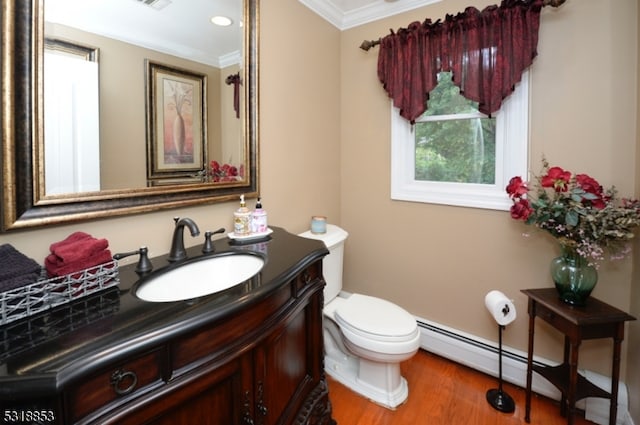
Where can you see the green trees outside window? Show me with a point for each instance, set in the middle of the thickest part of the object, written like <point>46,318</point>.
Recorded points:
<point>454,142</point>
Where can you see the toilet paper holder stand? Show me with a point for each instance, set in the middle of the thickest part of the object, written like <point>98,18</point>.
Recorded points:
<point>497,397</point>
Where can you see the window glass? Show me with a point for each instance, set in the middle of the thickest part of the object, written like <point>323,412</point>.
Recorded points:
<point>455,155</point>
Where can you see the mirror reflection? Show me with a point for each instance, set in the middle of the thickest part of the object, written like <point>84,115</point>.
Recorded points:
<point>141,93</point>
<point>140,90</point>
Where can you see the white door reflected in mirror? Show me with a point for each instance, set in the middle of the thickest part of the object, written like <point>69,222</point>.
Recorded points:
<point>72,128</point>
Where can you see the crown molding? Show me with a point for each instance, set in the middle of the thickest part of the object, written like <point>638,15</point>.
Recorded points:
<point>377,9</point>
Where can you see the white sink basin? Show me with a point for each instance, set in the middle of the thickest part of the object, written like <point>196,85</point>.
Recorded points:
<point>200,278</point>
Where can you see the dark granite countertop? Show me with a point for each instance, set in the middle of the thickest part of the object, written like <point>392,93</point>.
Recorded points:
<point>40,354</point>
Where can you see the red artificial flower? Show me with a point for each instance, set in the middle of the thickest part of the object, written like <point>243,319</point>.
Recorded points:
<point>229,172</point>
<point>556,178</point>
<point>591,185</point>
<point>588,184</point>
<point>516,187</point>
<point>576,211</point>
<point>223,173</point>
<point>521,210</point>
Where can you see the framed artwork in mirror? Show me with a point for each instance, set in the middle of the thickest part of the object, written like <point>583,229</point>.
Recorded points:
<point>176,122</point>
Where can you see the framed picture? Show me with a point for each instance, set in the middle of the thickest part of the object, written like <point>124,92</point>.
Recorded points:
<point>176,122</point>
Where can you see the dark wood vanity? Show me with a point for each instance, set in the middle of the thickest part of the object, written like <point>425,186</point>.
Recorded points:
<point>252,354</point>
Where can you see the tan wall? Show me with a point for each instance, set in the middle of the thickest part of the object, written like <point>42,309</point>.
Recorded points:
<point>633,367</point>
<point>299,115</point>
<point>325,150</point>
<point>438,261</point>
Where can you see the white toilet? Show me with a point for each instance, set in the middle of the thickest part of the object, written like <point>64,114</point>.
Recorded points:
<point>365,338</point>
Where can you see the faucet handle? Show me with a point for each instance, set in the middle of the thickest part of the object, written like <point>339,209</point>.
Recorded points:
<point>208,247</point>
<point>144,264</point>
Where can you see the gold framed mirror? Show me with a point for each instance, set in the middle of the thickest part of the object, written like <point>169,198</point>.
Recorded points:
<point>26,200</point>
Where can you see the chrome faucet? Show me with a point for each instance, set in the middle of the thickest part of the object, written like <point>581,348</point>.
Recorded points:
<point>177,251</point>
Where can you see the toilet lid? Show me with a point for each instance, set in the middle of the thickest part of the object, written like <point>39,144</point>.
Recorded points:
<point>376,318</point>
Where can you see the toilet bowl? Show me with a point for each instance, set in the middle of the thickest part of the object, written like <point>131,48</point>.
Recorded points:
<point>365,338</point>
<point>366,358</point>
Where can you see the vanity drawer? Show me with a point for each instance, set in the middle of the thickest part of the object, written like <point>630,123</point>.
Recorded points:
<point>308,275</point>
<point>115,385</point>
<point>554,319</point>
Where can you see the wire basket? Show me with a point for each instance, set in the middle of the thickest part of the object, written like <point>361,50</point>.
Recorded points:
<point>45,294</point>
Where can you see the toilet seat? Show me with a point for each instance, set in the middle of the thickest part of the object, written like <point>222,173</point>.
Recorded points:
<point>376,325</point>
<point>376,319</point>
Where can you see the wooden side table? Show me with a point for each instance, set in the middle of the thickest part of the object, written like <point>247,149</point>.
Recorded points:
<point>595,320</point>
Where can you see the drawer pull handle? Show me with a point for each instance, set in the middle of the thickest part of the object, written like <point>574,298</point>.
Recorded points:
<point>119,378</point>
<point>262,409</point>
<point>246,418</point>
<point>306,277</point>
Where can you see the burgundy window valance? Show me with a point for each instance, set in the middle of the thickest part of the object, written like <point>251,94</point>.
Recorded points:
<point>236,81</point>
<point>486,51</point>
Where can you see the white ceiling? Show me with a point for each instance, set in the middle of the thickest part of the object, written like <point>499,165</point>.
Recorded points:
<point>345,14</point>
<point>182,28</point>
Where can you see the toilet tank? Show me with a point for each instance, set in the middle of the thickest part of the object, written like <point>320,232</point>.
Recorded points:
<point>332,263</point>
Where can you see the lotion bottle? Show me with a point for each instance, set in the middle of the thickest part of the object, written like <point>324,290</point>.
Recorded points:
<point>242,219</point>
<point>259,219</point>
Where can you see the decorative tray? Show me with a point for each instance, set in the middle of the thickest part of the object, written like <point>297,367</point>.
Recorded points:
<point>251,236</point>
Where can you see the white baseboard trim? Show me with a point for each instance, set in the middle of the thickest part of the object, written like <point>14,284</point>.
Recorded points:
<point>482,355</point>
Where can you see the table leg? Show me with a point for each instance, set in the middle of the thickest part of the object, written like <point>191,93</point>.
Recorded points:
<point>573,381</point>
<point>532,318</point>
<point>615,375</point>
<point>565,359</point>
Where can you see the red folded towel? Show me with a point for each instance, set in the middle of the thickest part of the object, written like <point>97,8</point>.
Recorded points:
<point>74,237</point>
<point>73,251</point>
<point>55,269</point>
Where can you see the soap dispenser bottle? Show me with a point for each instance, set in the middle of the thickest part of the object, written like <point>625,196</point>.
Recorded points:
<point>242,219</point>
<point>259,219</point>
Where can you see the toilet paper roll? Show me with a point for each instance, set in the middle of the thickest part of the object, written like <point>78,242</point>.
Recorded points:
<point>500,307</point>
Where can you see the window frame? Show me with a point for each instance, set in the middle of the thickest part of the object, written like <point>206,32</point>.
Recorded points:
<point>512,123</point>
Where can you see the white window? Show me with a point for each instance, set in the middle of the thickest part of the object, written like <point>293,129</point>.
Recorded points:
<point>471,171</point>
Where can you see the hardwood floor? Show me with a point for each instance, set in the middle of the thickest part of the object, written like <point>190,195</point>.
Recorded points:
<point>442,392</point>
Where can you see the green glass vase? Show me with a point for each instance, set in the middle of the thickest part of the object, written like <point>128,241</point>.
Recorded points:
<point>573,276</point>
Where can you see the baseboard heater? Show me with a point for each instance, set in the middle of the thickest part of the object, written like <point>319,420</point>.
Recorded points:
<point>482,355</point>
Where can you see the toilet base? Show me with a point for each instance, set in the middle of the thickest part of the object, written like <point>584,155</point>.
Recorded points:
<point>381,383</point>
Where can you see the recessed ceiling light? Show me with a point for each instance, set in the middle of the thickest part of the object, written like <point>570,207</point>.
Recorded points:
<point>223,21</point>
